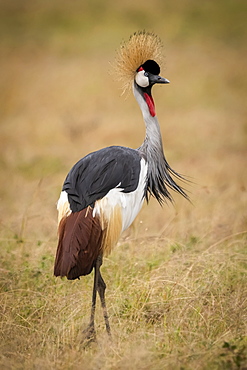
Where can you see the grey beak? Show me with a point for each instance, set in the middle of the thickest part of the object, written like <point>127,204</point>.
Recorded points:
<point>162,80</point>
<point>156,79</point>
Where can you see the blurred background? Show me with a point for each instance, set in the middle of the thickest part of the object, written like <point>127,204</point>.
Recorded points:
<point>176,281</point>
<point>59,100</point>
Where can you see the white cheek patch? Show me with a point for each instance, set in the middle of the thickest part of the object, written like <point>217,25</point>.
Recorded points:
<point>141,79</point>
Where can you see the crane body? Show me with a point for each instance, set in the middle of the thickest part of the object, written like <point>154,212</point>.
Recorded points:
<point>104,191</point>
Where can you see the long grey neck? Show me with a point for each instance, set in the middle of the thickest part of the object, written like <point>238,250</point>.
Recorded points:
<point>153,137</point>
<point>159,177</point>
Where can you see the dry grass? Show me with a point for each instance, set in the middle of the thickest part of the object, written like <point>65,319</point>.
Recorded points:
<point>177,279</point>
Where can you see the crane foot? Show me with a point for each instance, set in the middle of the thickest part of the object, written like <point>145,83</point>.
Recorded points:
<point>89,335</point>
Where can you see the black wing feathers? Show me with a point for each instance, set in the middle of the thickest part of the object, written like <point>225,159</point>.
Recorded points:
<point>96,174</point>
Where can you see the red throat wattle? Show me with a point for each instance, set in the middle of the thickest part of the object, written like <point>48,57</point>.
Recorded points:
<point>150,104</point>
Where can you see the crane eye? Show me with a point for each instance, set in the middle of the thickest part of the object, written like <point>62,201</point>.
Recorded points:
<point>146,74</point>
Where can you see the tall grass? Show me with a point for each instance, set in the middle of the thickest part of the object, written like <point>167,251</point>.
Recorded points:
<point>176,282</point>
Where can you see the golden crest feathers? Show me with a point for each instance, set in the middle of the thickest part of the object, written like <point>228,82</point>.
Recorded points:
<point>140,47</point>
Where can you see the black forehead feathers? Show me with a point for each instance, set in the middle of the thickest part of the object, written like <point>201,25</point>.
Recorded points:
<point>151,66</point>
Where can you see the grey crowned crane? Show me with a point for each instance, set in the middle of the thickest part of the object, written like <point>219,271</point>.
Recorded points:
<point>105,190</point>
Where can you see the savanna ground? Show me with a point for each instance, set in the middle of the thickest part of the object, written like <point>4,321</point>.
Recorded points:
<point>177,292</point>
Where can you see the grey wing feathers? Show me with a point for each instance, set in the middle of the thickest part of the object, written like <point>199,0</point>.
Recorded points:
<point>95,175</point>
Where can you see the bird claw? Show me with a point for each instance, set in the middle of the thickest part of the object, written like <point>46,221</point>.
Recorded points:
<point>89,335</point>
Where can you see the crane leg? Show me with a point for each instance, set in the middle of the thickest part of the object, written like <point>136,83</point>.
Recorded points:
<point>89,333</point>
<point>98,286</point>
<point>101,291</point>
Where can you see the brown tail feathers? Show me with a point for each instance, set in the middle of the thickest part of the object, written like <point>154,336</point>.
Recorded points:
<point>79,244</point>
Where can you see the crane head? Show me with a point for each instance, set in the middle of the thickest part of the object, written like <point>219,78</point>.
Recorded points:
<point>138,60</point>
<point>148,74</point>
